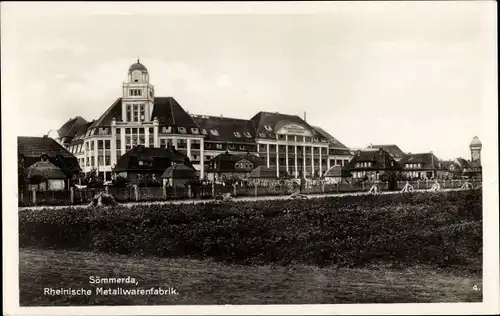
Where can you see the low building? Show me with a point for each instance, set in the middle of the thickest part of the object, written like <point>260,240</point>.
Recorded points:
<point>333,175</point>
<point>451,169</point>
<point>178,175</point>
<point>44,155</point>
<point>372,165</point>
<point>231,166</point>
<point>421,166</point>
<point>148,162</point>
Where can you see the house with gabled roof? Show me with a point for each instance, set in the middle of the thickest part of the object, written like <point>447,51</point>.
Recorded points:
<point>421,166</point>
<point>43,156</point>
<point>372,164</point>
<point>230,165</point>
<point>139,117</point>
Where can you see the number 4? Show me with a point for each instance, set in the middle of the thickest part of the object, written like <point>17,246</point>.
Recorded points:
<point>475,288</point>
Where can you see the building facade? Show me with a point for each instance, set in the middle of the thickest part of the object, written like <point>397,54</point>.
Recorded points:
<point>286,142</point>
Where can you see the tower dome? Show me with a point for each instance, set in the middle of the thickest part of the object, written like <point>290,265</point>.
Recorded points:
<point>137,66</point>
<point>476,143</point>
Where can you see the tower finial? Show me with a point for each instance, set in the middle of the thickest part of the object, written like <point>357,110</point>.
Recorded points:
<point>138,60</point>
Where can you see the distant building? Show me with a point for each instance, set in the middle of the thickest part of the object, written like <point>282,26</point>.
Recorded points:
<point>420,166</point>
<point>371,164</point>
<point>393,150</point>
<point>286,142</point>
<point>228,165</point>
<point>473,168</point>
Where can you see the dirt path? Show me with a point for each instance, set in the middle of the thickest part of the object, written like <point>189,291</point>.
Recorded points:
<point>208,282</point>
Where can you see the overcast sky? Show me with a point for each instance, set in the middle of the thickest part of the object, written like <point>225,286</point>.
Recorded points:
<point>415,74</point>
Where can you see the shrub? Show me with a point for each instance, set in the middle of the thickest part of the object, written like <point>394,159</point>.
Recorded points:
<point>441,228</point>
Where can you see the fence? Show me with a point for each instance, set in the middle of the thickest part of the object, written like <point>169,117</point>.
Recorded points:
<point>138,194</point>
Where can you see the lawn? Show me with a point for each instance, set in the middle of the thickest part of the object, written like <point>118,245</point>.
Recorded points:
<point>210,282</point>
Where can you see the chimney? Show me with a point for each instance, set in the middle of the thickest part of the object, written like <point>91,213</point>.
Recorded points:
<point>305,116</point>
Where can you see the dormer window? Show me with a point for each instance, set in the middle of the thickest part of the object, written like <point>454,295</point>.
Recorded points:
<point>248,135</point>
<point>195,131</point>
<point>181,130</point>
<point>237,134</point>
<point>167,129</point>
<point>219,146</point>
<point>323,140</point>
<point>268,128</point>
<point>204,131</point>
<point>316,139</point>
<point>262,135</point>
<point>214,132</point>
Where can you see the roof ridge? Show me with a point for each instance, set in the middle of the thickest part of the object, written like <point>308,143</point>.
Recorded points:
<point>171,110</point>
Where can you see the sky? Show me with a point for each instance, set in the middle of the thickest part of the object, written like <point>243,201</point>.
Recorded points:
<point>421,75</point>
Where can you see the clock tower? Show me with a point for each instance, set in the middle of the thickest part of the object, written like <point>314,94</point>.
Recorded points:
<point>138,95</point>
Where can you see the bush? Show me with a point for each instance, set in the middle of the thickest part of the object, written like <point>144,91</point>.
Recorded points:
<point>441,228</point>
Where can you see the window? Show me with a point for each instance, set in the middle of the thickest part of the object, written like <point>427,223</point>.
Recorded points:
<point>92,132</point>
<point>262,135</point>
<point>141,112</point>
<point>135,113</point>
<point>214,132</point>
<point>91,145</point>
<point>316,139</point>
<point>268,128</point>
<point>167,129</point>
<point>237,134</point>
<point>107,160</point>
<point>129,113</point>
<point>150,93</point>
<point>127,131</point>
<point>135,92</point>
<point>103,131</point>
<point>242,147</point>
<point>181,130</point>
<point>219,146</point>
<point>195,131</point>
<point>248,135</point>
<point>204,131</point>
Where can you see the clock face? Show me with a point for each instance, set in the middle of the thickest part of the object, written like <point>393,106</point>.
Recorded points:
<point>136,76</point>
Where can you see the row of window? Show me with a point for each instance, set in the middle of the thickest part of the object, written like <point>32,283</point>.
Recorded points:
<point>102,160</point>
<point>365,164</point>
<point>291,149</point>
<point>138,92</point>
<point>243,165</point>
<point>413,165</point>
<point>135,92</point>
<point>370,174</point>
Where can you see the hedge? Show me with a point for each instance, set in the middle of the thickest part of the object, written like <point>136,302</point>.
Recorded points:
<point>442,229</point>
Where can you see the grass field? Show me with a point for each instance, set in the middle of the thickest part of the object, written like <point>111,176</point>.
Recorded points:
<point>209,282</point>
